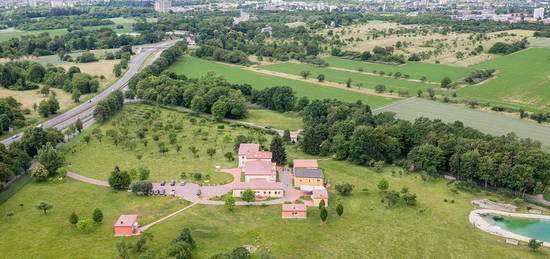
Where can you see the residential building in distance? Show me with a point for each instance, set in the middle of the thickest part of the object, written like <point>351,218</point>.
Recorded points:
<point>538,13</point>
<point>163,6</point>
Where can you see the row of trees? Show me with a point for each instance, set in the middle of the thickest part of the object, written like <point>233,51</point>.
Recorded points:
<point>351,132</point>
<point>508,48</point>
<point>379,54</point>
<point>11,114</point>
<point>108,107</point>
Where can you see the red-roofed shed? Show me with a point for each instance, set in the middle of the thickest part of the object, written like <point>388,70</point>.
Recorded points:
<point>306,163</point>
<point>126,225</point>
<point>294,211</point>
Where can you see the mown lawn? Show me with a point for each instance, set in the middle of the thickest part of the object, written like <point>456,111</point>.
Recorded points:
<point>284,121</point>
<point>522,81</point>
<point>367,229</point>
<point>195,67</point>
<point>341,77</point>
<point>433,72</point>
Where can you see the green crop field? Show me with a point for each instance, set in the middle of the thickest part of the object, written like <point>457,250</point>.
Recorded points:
<point>433,72</point>
<point>523,81</point>
<point>195,67</point>
<point>489,123</point>
<point>431,229</point>
<point>341,77</point>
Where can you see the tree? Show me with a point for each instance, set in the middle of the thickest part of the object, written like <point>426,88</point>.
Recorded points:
<point>229,156</point>
<point>185,237</point>
<point>321,77</point>
<point>305,74</point>
<point>211,152</point>
<point>51,158</point>
<point>84,226</point>
<point>348,83</point>
<point>44,108</point>
<point>419,93</point>
<point>122,248</point>
<point>40,173</point>
<point>427,155</point>
<point>380,88</point>
<point>534,244</point>
<point>321,204</point>
<point>286,136</point>
<point>53,104</point>
<point>44,207</point>
<point>141,243</point>
<point>344,189</point>
<point>141,187</point>
<point>446,82</point>
<point>240,253</point>
<point>340,209</point>
<point>383,185</point>
<point>229,203</point>
<point>73,219</point>
<point>179,250</point>
<point>323,214</point>
<point>119,180</point>
<point>36,73</point>
<point>117,70</point>
<point>76,95</point>
<point>78,125</point>
<point>278,150</point>
<point>248,195</point>
<point>97,216</point>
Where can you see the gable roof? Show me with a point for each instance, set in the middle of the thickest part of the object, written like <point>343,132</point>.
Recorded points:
<point>259,155</point>
<point>319,194</point>
<point>126,220</point>
<point>259,167</point>
<point>305,163</point>
<point>246,148</point>
<point>308,173</point>
<point>294,207</point>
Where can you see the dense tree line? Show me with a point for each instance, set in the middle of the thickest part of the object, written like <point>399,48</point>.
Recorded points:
<point>21,75</point>
<point>352,132</point>
<point>508,48</point>
<point>277,98</point>
<point>43,44</point>
<point>479,75</point>
<point>11,114</point>
<point>108,107</point>
<point>378,55</point>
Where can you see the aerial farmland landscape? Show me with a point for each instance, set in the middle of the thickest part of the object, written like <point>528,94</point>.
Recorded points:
<point>274,129</point>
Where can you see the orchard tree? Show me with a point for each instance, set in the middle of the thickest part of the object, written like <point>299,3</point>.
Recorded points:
<point>73,219</point>
<point>211,152</point>
<point>446,82</point>
<point>51,158</point>
<point>323,214</point>
<point>97,216</point>
<point>321,77</point>
<point>248,195</point>
<point>305,74</point>
<point>44,207</point>
<point>344,189</point>
<point>229,203</point>
<point>340,209</point>
<point>229,156</point>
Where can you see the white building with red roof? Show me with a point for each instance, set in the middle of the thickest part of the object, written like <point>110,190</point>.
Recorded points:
<point>245,149</point>
<point>260,188</point>
<point>306,163</point>
<point>260,169</point>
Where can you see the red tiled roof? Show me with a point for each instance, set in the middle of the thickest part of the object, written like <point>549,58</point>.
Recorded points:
<point>259,155</point>
<point>246,148</point>
<point>294,207</point>
<point>258,184</point>
<point>319,194</point>
<point>259,167</point>
<point>126,220</point>
<point>305,163</point>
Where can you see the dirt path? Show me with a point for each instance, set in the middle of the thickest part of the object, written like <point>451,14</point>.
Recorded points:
<point>141,229</point>
<point>313,81</point>
<point>86,179</point>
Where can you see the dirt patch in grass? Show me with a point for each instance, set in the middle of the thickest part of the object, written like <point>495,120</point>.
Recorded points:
<point>99,68</point>
<point>28,98</point>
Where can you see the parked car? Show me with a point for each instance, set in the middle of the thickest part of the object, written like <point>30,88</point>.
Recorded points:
<point>182,183</point>
<point>172,192</point>
<point>163,183</point>
<point>162,192</point>
<point>156,192</point>
<point>173,183</point>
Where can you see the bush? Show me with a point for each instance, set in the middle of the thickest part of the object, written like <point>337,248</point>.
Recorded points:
<point>344,188</point>
<point>84,226</point>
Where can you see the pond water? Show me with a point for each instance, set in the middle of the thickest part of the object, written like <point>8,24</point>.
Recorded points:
<point>533,228</point>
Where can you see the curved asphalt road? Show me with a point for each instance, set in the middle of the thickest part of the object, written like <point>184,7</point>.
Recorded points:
<point>86,109</point>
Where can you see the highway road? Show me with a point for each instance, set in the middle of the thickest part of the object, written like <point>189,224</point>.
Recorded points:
<point>86,109</point>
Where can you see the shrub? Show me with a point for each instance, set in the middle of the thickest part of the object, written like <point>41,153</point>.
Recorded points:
<point>344,188</point>
<point>84,226</point>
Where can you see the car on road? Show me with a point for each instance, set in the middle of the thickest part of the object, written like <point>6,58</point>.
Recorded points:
<point>173,183</point>
<point>268,127</point>
<point>182,183</point>
<point>90,101</point>
<point>39,125</point>
<point>163,183</point>
<point>15,136</point>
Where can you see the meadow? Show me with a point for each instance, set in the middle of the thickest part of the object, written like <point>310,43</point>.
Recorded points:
<point>341,77</point>
<point>486,122</point>
<point>283,121</point>
<point>433,72</point>
<point>195,67</point>
<point>433,228</point>
<point>522,81</point>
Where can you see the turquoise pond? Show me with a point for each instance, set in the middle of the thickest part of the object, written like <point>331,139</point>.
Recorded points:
<point>533,228</point>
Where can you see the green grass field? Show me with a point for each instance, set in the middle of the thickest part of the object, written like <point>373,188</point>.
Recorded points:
<point>366,227</point>
<point>489,123</point>
<point>523,81</point>
<point>195,67</point>
<point>167,166</point>
<point>433,72</point>
<point>283,121</point>
<point>341,77</point>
